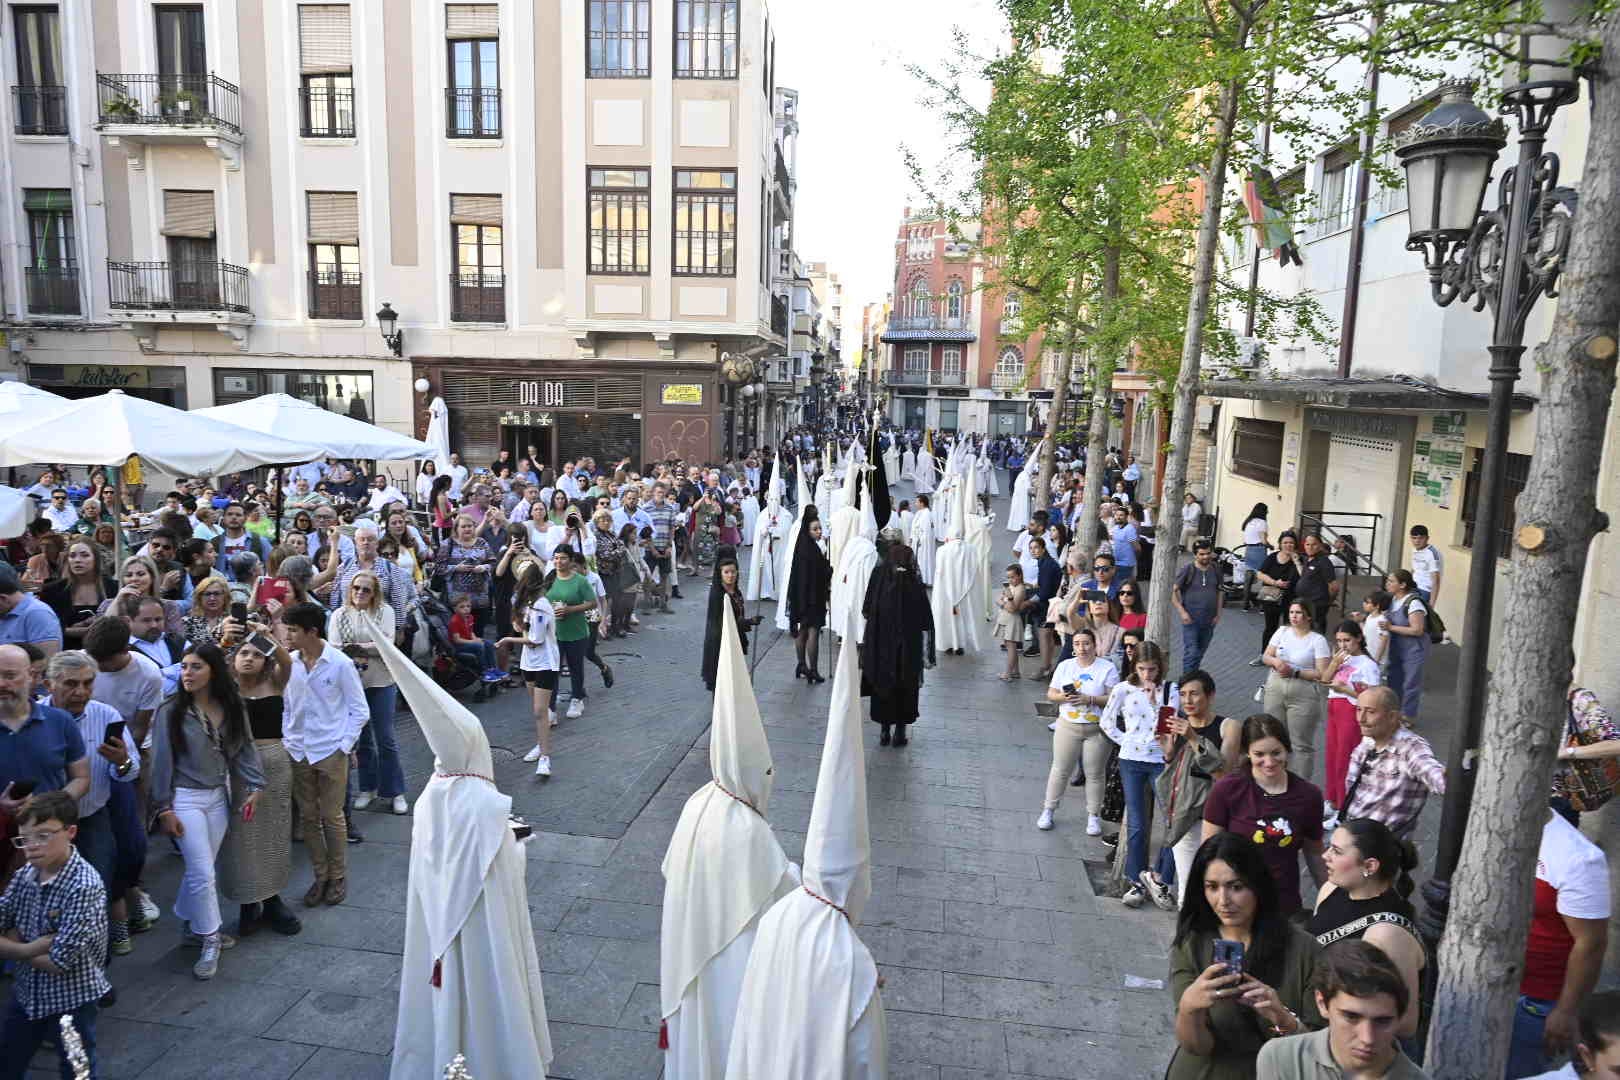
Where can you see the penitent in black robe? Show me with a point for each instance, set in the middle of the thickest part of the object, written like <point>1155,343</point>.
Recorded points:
<point>899,638</point>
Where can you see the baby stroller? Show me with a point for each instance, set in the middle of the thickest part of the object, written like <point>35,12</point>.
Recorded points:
<point>456,674</point>
<point>1234,575</point>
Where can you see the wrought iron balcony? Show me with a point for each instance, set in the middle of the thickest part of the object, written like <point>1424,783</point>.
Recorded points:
<point>169,101</point>
<point>947,378</point>
<point>930,328</point>
<point>39,110</point>
<point>783,180</point>
<point>476,297</point>
<point>178,286</point>
<point>1007,380</point>
<point>52,290</point>
<point>335,294</point>
<point>472,113</point>
<point>906,378</point>
<point>325,112</point>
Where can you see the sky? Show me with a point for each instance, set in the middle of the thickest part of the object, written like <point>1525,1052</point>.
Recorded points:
<point>857,105</point>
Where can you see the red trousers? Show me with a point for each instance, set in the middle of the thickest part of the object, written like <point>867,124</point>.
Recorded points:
<point>1343,735</point>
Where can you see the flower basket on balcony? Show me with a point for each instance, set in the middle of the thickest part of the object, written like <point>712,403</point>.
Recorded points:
<point>120,110</point>
<point>185,104</point>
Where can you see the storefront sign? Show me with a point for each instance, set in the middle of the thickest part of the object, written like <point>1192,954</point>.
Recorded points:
<point>1367,425</point>
<point>681,394</point>
<point>104,376</point>
<point>547,395</point>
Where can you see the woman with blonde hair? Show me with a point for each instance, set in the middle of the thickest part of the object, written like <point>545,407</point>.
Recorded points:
<point>79,593</point>
<point>139,579</point>
<point>210,607</point>
<point>353,627</point>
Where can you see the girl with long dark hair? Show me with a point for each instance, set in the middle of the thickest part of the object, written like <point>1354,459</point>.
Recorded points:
<point>1225,1012</point>
<point>203,759</point>
<point>808,594</point>
<point>725,588</point>
<point>76,596</point>
<point>535,621</point>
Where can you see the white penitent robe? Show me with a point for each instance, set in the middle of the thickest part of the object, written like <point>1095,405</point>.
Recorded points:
<point>1018,512</point>
<point>860,558</point>
<point>923,543</point>
<point>700,1030</point>
<point>826,490</point>
<point>923,477</point>
<point>988,482</point>
<point>750,513</point>
<point>957,600</point>
<point>891,465</point>
<point>765,561</point>
<point>908,463</point>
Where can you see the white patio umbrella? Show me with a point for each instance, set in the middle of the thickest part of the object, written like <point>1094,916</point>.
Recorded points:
<point>19,397</point>
<point>338,435</point>
<point>438,434</point>
<point>16,511</point>
<point>107,430</point>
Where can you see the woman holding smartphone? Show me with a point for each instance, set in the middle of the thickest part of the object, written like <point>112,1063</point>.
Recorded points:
<point>255,859</point>
<point>1259,989</point>
<point>203,757</point>
<point>1132,718</point>
<point>541,659</point>
<point>350,628</point>
<point>1081,686</point>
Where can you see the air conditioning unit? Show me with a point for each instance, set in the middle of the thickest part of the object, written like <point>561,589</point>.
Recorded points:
<point>1251,351</point>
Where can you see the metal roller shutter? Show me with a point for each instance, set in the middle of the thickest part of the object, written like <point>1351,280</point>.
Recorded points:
<point>325,46</point>
<point>472,21</point>
<point>334,217</point>
<point>188,213</point>
<point>475,210</point>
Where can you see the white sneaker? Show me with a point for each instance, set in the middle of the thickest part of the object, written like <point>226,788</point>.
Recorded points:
<point>1093,825</point>
<point>400,805</point>
<point>533,755</point>
<point>576,709</point>
<point>1044,822</point>
<point>553,714</point>
<point>1134,896</point>
<point>543,768</point>
<point>1052,726</point>
<point>149,909</point>
<point>363,800</point>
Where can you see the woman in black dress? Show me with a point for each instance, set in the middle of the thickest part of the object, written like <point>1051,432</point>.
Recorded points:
<point>899,642</point>
<point>725,587</point>
<point>808,594</point>
<point>79,592</point>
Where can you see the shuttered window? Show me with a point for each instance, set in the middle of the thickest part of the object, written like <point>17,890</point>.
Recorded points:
<point>334,217</point>
<point>324,42</point>
<point>475,209</point>
<point>472,21</point>
<point>189,214</point>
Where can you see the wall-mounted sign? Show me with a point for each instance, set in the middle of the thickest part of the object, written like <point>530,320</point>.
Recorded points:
<point>681,394</point>
<point>104,376</point>
<point>548,395</point>
<point>1367,425</point>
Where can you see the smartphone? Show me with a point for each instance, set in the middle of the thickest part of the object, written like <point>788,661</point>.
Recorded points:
<point>115,732</point>
<point>261,643</point>
<point>1094,595</point>
<point>1072,689</point>
<point>1230,953</point>
<point>1167,715</point>
<point>21,789</point>
<point>239,612</point>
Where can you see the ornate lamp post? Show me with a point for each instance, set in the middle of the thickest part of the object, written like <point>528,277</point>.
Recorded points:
<point>1507,258</point>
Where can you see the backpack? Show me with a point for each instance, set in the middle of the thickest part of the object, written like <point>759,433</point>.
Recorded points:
<point>1433,625</point>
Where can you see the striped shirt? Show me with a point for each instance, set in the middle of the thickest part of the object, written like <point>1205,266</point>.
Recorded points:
<point>93,726</point>
<point>662,518</point>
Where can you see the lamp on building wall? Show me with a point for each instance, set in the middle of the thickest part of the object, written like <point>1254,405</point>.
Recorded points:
<point>1508,258</point>
<point>422,386</point>
<point>388,322</point>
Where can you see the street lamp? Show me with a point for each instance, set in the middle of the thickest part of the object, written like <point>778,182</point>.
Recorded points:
<point>387,321</point>
<point>1508,258</point>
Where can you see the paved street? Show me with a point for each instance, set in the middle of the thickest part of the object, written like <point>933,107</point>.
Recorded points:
<point>1000,960</point>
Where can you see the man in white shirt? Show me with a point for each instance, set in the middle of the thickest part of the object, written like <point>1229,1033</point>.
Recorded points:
<point>1427,566</point>
<point>1192,512</point>
<point>146,637</point>
<point>382,493</point>
<point>458,476</point>
<point>324,712</point>
<point>126,680</point>
<point>568,482</point>
<point>60,512</point>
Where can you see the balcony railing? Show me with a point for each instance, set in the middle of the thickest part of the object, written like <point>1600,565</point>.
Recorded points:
<point>52,290</point>
<point>947,378</point>
<point>334,294</point>
<point>39,110</point>
<point>472,113</point>
<point>179,286</point>
<point>476,297</point>
<point>906,378</point>
<point>170,101</point>
<point>1007,380</point>
<point>930,328</point>
<point>325,113</point>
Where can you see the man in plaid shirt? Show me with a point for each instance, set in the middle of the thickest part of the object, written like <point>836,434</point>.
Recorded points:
<point>663,514</point>
<point>56,912</point>
<point>1394,769</point>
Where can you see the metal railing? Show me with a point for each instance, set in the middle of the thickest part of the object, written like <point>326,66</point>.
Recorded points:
<point>181,286</point>
<point>476,297</point>
<point>52,290</point>
<point>930,322</point>
<point>947,378</point>
<point>1002,380</point>
<point>39,110</point>
<point>472,113</point>
<point>783,180</point>
<point>906,378</point>
<point>325,113</point>
<point>1331,524</point>
<point>335,294</point>
<point>169,101</point>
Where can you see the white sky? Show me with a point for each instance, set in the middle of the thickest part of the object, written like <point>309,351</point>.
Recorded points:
<point>857,105</point>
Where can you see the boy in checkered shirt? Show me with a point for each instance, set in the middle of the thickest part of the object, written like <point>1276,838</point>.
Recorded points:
<point>53,917</point>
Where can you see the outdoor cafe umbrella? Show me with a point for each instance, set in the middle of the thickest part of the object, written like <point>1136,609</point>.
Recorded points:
<point>109,429</point>
<point>31,401</point>
<point>336,434</point>
<point>16,511</point>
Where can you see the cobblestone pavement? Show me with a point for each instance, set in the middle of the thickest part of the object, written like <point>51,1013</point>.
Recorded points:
<point>999,958</point>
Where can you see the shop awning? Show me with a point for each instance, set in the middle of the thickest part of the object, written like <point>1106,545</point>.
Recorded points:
<point>341,436</point>
<point>1394,392</point>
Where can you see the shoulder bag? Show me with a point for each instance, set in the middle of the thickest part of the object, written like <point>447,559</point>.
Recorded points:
<point>1588,784</point>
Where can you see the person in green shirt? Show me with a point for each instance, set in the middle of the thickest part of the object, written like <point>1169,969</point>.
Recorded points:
<point>571,596</point>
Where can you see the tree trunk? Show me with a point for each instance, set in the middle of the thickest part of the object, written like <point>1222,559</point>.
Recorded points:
<point>1060,400</point>
<point>1161,621</point>
<point>1102,386</point>
<point>1481,954</point>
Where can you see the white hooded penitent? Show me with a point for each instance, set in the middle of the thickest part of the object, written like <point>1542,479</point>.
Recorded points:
<point>722,872</point>
<point>854,567</point>
<point>470,983</point>
<point>786,565</point>
<point>811,1009</point>
<point>769,529</point>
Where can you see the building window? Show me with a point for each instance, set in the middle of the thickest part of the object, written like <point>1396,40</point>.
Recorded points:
<point>326,63</point>
<point>41,97</point>
<point>920,243</point>
<point>346,392</point>
<point>1257,450</point>
<point>1010,365</point>
<point>1516,476</point>
<point>334,254</point>
<point>705,39</point>
<point>949,414</point>
<point>951,360</point>
<point>1337,194</point>
<point>916,360</point>
<point>473,98</point>
<point>706,222</point>
<point>52,274</point>
<point>478,286</point>
<point>618,39</point>
<point>955,299</point>
<point>921,303</point>
<point>620,221</point>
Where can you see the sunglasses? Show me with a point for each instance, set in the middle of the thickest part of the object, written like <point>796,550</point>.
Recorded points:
<point>1127,592</point>
<point>1100,567</point>
<point>362,589</point>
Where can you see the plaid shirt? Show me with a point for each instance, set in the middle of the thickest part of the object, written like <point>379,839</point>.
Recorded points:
<point>1391,785</point>
<point>396,585</point>
<point>662,518</point>
<point>73,906</point>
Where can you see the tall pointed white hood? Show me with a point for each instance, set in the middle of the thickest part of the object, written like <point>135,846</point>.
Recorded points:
<point>802,486</point>
<point>838,847</point>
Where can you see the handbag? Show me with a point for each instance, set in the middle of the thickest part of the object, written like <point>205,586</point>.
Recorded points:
<point>1270,594</point>
<point>1587,784</point>
<point>1113,804</point>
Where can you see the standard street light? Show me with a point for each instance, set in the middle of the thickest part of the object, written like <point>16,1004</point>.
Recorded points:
<point>387,321</point>
<point>1508,258</point>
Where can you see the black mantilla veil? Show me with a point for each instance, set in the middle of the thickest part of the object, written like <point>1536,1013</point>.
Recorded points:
<point>725,555</point>
<point>809,584</point>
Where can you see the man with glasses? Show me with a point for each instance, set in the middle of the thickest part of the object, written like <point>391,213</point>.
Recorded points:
<point>1104,576</point>
<point>60,513</point>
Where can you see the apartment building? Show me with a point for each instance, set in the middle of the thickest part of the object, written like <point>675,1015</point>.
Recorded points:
<point>572,211</point>
<point>1384,427</point>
